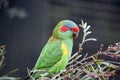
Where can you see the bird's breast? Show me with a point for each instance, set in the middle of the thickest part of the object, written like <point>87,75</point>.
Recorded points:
<point>64,49</point>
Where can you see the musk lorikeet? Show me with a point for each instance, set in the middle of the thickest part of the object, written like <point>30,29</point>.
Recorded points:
<point>56,53</point>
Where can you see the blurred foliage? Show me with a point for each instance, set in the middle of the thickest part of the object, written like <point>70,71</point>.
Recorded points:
<point>2,64</point>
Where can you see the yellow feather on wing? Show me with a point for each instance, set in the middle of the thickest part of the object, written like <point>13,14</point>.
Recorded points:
<point>64,49</point>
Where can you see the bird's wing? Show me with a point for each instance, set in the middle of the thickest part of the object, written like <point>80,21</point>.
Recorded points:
<point>49,56</point>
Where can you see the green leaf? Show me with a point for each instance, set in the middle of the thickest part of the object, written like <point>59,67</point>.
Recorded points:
<point>108,64</point>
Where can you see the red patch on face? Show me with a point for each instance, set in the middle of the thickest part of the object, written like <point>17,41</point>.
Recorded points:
<point>64,28</point>
<point>75,29</point>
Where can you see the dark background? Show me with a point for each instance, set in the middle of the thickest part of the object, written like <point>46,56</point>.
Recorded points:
<point>26,25</point>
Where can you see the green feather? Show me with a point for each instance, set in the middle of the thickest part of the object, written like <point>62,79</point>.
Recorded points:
<point>57,51</point>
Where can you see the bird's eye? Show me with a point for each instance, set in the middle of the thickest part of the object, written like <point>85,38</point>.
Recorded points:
<point>64,28</point>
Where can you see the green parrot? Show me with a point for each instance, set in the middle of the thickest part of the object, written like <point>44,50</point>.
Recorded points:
<point>56,53</point>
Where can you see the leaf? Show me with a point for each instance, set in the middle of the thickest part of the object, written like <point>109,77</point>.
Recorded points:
<point>90,39</point>
<point>96,56</point>
<point>11,72</point>
<point>109,64</point>
<point>84,25</point>
<point>9,78</point>
<point>80,25</point>
<point>82,21</point>
<point>89,68</point>
<point>86,29</point>
<point>86,77</point>
<point>118,52</point>
<point>87,33</point>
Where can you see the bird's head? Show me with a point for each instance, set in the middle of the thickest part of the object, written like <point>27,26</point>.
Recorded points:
<point>66,29</point>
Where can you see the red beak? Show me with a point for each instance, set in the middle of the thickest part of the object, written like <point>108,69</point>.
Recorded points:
<point>75,35</point>
<point>75,31</point>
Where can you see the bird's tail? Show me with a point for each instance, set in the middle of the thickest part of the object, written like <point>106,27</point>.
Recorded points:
<point>35,75</point>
